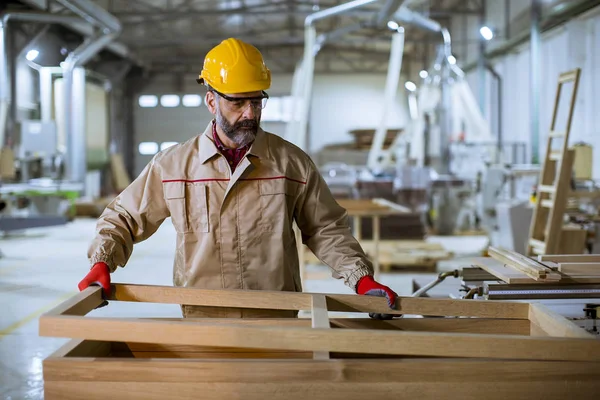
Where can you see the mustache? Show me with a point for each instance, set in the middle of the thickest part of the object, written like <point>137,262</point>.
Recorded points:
<point>250,123</point>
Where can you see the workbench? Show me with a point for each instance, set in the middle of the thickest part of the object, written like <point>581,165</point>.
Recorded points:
<point>503,350</point>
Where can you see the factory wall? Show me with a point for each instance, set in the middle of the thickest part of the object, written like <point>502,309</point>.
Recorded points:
<point>573,45</point>
<point>340,103</point>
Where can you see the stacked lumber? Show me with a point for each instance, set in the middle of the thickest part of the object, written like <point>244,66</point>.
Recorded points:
<point>576,265</point>
<point>528,266</point>
<point>514,268</point>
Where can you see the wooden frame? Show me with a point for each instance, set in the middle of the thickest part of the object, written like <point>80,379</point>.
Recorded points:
<point>518,349</point>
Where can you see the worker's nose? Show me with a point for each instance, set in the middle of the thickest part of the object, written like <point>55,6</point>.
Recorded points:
<point>249,112</point>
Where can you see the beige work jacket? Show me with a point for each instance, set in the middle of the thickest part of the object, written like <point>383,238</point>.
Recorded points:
<point>234,231</point>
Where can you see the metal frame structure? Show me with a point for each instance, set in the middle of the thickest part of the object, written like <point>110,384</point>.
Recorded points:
<point>520,349</point>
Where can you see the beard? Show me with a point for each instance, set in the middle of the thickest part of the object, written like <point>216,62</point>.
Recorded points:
<point>242,133</point>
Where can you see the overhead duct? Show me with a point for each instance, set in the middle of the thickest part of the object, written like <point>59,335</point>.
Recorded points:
<point>5,73</point>
<point>312,45</point>
<point>110,28</point>
<point>73,120</point>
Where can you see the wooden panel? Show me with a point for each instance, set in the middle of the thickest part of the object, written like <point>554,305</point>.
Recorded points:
<point>333,340</point>
<point>526,265</point>
<point>554,324</point>
<point>457,325</point>
<point>294,371</point>
<point>568,258</point>
<point>320,320</point>
<point>501,271</point>
<point>585,268</point>
<point>497,390</point>
<point>302,301</point>
<point>80,304</point>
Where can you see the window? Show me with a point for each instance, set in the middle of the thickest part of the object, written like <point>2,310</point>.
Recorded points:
<point>169,100</point>
<point>278,109</point>
<point>148,100</point>
<point>166,145</point>
<point>191,100</point>
<point>148,148</point>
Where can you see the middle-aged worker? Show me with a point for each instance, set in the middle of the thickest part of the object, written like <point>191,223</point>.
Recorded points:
<point>233,193</point>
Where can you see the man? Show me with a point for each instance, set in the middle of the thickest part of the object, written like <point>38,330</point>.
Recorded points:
<point>233,193</point>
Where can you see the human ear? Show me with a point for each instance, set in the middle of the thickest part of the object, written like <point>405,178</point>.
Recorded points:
<point>211,102</point>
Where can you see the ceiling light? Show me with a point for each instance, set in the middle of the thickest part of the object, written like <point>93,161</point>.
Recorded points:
<point>410,86</point>
<point>423,74</point>
<point>393,25</point>
<point>486,32</point>
<point>452,60</point>
<point>32,55</point>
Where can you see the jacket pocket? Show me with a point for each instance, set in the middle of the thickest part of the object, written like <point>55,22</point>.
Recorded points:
<point>276,199</point>
<point>188,206</point>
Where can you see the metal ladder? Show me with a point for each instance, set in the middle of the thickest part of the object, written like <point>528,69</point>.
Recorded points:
<point>554,182</point>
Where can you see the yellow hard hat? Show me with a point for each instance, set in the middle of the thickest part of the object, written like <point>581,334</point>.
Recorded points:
<point>235,67</point>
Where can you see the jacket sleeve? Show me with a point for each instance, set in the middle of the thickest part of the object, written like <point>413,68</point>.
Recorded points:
<point>133,216</point>
<point>325,230</point>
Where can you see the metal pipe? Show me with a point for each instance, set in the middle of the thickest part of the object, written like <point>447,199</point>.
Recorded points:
<point>440,279</point>
<point>329,12</point>
<point>535,78</point>
<point>472,292</point>
<point>75,79</point>
<point>308,64</point>
<point>94,14</point>
<point>498,79</point>
<point>389,8</point>
<point>391,88</point>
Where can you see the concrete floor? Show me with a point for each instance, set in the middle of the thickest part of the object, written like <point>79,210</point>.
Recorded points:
<point>41,268</point>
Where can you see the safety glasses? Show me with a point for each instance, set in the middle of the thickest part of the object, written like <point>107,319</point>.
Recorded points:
<point>239,104</point>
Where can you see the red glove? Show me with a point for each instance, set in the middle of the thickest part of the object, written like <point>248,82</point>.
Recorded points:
<point>369,287</point>
<point>98,275</point>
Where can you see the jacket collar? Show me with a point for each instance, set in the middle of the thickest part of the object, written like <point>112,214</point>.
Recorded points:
<point>208,148</point>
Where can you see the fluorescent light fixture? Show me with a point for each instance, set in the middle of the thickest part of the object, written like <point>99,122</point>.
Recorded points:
<point>148,101</point>
<point>410,86</point>
<point>423,74</point>
<point>393,25</point>
<point>148,148</point>
<point>452,60</point>
<point>191,100</point>
<point>169,100</point>
<point>32,55</point>
<point>486,32</point>
<point>166,145</point>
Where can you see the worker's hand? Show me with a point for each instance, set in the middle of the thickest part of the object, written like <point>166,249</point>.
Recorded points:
<point>369,287</point>
<point>99,275</point>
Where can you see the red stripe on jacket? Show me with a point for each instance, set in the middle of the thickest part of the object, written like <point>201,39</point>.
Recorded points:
<point>227,179</point>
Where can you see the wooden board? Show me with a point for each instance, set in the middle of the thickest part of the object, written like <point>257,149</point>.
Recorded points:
<point>513,276</point>
<point>580,269</point>
<point>530,267</point>
<point>565,258</point>
<point>501,270</point>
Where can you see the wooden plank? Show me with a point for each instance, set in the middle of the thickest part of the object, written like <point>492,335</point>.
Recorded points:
<point>332,340</point>
<point>580,268</point>
<point>320,320</point>
<point>311,371</point>
<point>80,304</point>
<point>526,265</point>
<point>569,258</point>
<point>302,301</point>
<point>497,390</point>
<point>554,324</point>
<point>501,271</point>
<point>457,325</point>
